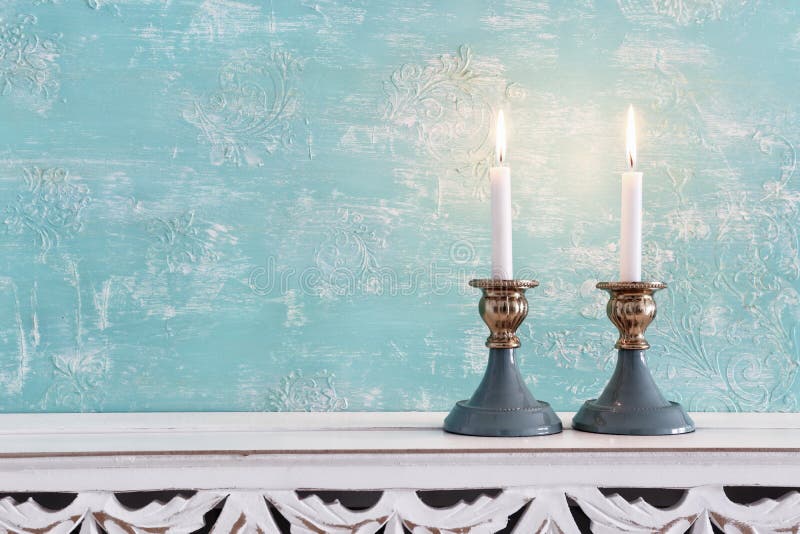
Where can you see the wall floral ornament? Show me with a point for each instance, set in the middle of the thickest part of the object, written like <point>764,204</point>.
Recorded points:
<point>347,258</point>
<point>684,12</point>
<point>180,242</point>
<point>50,207</point>
<point>28,68</point>
<point>300,393</point>
<point>743,296</point>
<point>77,378</point>
<point>448,104</point>
<point>249,115</point>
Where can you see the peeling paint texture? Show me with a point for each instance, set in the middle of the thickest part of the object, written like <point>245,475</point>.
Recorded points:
<point>276,205</point>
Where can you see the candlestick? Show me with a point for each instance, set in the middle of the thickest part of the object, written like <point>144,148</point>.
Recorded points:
<point>500,177</point>
<point>630,242</point>
<point>502,405</point>
<point>631,403</point>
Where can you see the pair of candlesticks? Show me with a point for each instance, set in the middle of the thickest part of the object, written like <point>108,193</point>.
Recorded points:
<point>631,403</point>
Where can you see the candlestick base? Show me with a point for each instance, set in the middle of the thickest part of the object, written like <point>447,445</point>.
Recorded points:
<point>502,405</point>
<point>631,403</point>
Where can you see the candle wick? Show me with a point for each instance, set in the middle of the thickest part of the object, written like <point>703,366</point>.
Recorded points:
<point>630,161</point>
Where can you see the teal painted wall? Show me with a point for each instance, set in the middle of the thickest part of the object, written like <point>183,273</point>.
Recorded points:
<point>275,205</point>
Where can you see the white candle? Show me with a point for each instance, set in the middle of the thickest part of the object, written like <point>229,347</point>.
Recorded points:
<point>630,243</point>
<point>500,176</point>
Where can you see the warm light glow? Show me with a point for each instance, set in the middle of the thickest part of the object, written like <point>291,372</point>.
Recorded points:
<point>630,150</point>
<point>500,147</point>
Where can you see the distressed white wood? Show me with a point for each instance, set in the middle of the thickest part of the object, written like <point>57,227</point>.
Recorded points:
<point>347,432</point>
<point>613,514</point>
<point>243,461</point>
<point>387,471</point>
<point>92,509</point>
<point>28,516</point>
<point>397,509</point>
<point>312,515</point>
<point>245,511</point>
<point>129,452</point>
<point>546,512</point>
<point>767,515</point>
<point>700,508</point>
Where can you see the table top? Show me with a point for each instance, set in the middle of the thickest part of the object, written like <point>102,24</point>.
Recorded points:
<point>32,435</point>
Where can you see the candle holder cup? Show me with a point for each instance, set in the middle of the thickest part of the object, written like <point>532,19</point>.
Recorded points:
<point>631,403</point>
<point>502,405</point>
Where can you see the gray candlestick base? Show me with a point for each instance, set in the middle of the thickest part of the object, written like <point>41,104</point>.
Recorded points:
<point>502,406</point>
<point>632,404</point>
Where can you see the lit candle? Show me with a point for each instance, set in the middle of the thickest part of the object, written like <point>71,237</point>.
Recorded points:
<point>630,243</point>
<point>500,176</point>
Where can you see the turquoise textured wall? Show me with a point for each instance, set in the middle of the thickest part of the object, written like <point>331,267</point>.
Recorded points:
<point>275,205</point>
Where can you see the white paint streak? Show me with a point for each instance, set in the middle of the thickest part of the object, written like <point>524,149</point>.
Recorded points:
<point>101,301</point>
<point>35,335</point>
<point>222,19</point>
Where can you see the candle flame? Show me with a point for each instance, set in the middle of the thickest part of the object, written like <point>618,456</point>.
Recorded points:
<point>630,151</point>
<point>500,146</point>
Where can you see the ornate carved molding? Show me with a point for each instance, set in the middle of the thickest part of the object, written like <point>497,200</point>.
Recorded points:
<point>544,510</point>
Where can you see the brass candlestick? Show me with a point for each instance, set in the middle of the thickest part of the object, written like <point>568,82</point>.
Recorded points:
<point>502,405</point>
<point>631,403</point>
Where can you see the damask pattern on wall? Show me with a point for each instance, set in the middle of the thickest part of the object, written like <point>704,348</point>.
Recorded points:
<point>248,205</point>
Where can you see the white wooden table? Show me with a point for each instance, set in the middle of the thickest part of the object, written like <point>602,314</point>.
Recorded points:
<point>240,462</point>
